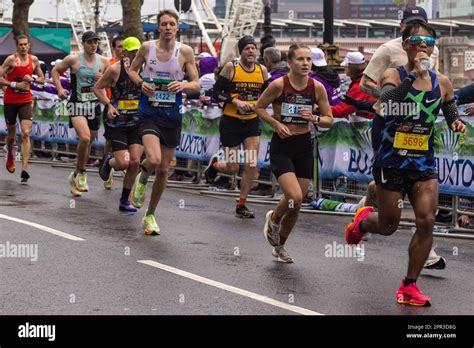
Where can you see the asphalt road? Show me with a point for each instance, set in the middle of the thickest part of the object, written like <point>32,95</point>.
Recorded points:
<point>219,264</point>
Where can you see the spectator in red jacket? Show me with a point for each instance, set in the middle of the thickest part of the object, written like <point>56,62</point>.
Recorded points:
<point>355,64</point>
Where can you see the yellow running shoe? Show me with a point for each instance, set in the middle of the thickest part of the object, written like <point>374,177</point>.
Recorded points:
<point>137,195</point>
<point>110,181</point>
<point>72,182</point>
<point>81,182</point>
<point>150,226</point>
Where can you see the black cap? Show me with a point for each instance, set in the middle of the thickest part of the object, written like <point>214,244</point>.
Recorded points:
<point>246,40</point>
<point>89,35</point>
<point>415,13</point>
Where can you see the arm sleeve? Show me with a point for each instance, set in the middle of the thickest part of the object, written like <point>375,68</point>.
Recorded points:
<point>221,90</point>
<point>361,105</point>
<point>450,112</point>
<point>264,86</point>
<point>395,93</point>
<point>465,95</point>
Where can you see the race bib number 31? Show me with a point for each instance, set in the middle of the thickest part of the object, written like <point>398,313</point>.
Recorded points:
<point>293,110</point>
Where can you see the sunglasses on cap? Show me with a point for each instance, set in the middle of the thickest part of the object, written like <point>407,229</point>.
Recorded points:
<point>418,39</point>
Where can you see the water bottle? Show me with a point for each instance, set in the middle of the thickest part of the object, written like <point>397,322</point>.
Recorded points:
<point>425,64</point>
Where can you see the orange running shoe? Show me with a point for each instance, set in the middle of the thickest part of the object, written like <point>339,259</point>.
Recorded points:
<point>352,231</point>
<point>11,164</point>
<point>411,295</point>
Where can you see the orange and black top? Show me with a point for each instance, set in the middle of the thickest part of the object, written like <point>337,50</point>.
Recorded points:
<point>247,86</point>
<point>287,106</point>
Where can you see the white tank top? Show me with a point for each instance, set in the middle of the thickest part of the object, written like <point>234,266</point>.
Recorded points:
<point>156,69</point>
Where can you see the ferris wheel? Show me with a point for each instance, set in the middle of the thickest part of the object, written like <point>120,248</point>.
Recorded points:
<point>88,15</point>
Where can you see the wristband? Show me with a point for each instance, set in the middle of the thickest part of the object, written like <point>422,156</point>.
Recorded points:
<point>12,84</point>
<point>318,119</point>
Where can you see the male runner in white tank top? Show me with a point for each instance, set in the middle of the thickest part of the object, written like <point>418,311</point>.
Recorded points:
<point>164,62</point>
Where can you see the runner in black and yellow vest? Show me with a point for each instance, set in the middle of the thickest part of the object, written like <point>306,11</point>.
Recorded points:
<point>239,86</point>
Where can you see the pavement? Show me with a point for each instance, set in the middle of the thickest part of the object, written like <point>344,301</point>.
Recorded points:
<point>206,261</point>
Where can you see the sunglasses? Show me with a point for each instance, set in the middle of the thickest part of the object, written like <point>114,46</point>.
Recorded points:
<point>418,39</point>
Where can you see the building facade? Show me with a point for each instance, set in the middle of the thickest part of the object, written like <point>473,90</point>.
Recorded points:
<point>456,9</point>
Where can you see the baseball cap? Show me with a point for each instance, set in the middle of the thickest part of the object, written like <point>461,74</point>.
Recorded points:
<point>131,43</point>
<point>415,13</point>
<point>353,58</point>
<point>205,55</point>
<point>56,62</point>
<point>317,56</point>
<point>89,35</point>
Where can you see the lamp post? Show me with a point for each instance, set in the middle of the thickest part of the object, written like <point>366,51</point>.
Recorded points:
<point>330,49</point>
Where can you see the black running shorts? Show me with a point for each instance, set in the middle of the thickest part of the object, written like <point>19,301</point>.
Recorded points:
<point>169,137</point>
<point>234,131</point>
<point>24,111</point>
<point>293,154</point>
<point>123,137</point>
<point>401,180</point>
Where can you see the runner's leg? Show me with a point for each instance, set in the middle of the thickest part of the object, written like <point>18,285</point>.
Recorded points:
<point>82,130</point>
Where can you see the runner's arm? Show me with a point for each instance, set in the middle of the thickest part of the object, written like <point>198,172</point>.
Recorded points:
<point>326,119</point>
<point>59,68</point>
<point>222,88</point>
<point>137,64</point>
<point>268,97</point>
<point>6,67</point>
<point>265,79</point>
<point>392,89</point>
<point>193,84</point>
<point>449,107</point>
<point>134,71</point>
<point>369,86</point>
<point>38,71</point>
<point>379,63</point>
<point>107,80</point>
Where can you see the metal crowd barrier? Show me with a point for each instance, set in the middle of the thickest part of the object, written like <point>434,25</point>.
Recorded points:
<point>349,189</point>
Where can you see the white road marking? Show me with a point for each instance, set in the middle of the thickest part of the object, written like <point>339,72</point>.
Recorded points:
<point>41,227</point>
<point>230,288</point>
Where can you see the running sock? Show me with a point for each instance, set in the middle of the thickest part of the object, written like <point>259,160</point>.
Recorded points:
<point>242,202</point>
<point>125,193</point>
<point>409,281</point>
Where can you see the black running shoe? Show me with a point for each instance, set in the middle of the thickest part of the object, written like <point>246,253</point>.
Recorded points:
<point>210,173</point>
<point>243,212</point>
<point>24,176</point>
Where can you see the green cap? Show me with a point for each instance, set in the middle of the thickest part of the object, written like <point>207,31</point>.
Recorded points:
<point>131,44</point>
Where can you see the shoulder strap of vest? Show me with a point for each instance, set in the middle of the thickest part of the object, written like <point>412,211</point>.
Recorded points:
<point>434,79</point>
<point>402,72</point>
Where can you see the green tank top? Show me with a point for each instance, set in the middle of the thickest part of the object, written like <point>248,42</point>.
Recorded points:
<point>83,80</point>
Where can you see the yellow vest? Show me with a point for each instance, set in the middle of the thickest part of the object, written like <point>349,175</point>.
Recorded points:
<point>247,88</point>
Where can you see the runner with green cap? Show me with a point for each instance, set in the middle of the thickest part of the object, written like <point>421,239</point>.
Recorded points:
<point>122,122</point>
